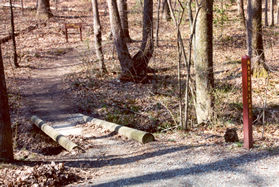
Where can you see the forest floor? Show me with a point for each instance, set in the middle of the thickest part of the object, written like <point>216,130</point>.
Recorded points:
<point>57,81</point>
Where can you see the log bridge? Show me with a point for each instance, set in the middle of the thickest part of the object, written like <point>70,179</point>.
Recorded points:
<point>73,26</point>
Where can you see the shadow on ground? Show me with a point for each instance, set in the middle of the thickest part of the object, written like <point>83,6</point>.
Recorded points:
<point>228,165</point>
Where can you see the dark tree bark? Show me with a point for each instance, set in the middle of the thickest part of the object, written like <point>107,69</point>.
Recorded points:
<point>166,11</point>
<point>118,36</point>
<point>43,8</point>
<point>254,33</point>
<point>158,23</point>
<point>241,13</point>
<point>133,69</point>
<point>271,12</point>
<point>277,21</point>
<point>13,34</point>
<point>123,13</point>
<point>98,36</point>
<point>265,13</point>
<point>22,8</point>
<point>204,62</point>
<point>147,46</point>
<point>6,149</point>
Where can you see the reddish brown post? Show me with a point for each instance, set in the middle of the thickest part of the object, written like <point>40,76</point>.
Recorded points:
<point>247,101</point>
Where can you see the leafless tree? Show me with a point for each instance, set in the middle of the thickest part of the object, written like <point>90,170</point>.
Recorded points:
<point>123,13</point>
<point>255,35</point>
<point>166,11</point>
<point>13,34</point>
<point>43,8</point>
<point>241,12</point>
<point>98,36</point>
<point>266,13</point>
<point>6,149</point>
<point>133,68</point>
<point>272,3</point>
<point>203,52</point>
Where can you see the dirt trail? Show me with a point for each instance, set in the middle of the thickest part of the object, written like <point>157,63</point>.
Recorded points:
<point>45,90</point>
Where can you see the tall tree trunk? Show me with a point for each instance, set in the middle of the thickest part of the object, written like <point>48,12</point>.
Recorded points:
<point>158,23</point>
<point>56,5</point>
<point>133,69</point>
<point>43,9</point>
<point>204,62</point>
<point>241,13</point>
<point>123,13</point>
<point>271,12</point>
<point>166,11</point>
<point>22,8</point>
<point>6,149</point>
<point>254,29</point>
<point>13,34</point>
<point>249,29</point>
<point>265,13</point>
<point>277,21</point>
<point>98,36</point>
<point>145,53</point>
<point>124,56</point>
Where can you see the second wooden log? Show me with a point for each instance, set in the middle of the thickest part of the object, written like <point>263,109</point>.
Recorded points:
<point>138,135</point>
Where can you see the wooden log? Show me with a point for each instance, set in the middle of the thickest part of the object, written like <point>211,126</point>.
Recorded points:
<point>56,136</point>
<point>26,30</point>
<point>7,38</point>
<point>138,135</point>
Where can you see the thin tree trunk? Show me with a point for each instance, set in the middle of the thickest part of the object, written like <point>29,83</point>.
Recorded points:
<point>22,8</point>
<point>204,63</point>
<point>255,38</point>
<point>192,38</point>
<point>277,12</point>
<point>43,9</point>
<point>166,11</point>
<point>124,56</point>
<point>158,23</point>
<point>6,149</point>
<point>271,12</point>
<point>265,13</point>
<point>241,13</point>
<point>145,53</point>
<point>123,13</point>
<point>13,35</point>
<point>181,53</point>
<point>133,69</point>
<point>98,36</point>
<point>249,29</point>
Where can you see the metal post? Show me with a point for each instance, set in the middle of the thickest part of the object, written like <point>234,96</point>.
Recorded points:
<point>247,101</point>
